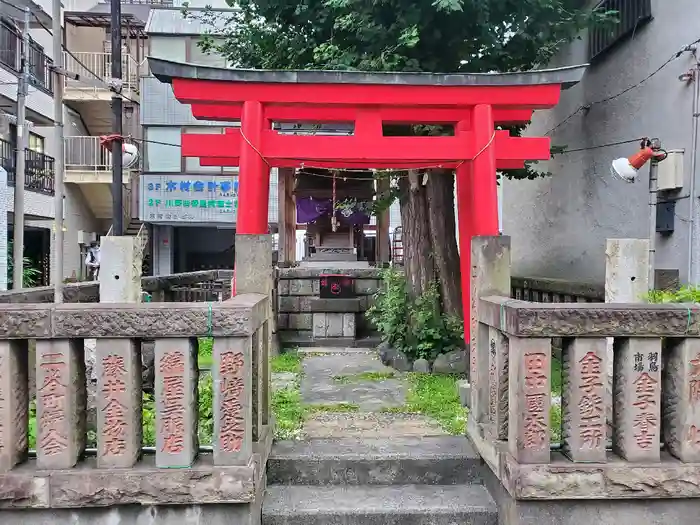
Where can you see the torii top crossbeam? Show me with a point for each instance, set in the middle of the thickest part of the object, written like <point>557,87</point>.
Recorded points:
<point>473,103</point>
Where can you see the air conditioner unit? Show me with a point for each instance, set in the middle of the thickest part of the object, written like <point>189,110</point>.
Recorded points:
<point>86,237</point>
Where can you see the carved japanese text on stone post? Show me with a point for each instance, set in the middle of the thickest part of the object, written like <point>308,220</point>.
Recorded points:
<point>637,398</point>
<point>61,402</point>
<point>498,384</point>
<point>473,323</point>
<point>52,393</point>
<point>583,408</point>
<point>536,392</point>
<point>115,413</point>
<point>172,423</point>
<point>119,426</point>
<point>231,385</point>
<point>529,399</point>
<point>233,411</point>
<point>681,411</point>
<point>14,403</point>
<point>176,402</point>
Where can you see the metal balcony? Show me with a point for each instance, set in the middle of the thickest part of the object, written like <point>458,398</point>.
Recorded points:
<point>93,65</point>
<point>11,57</point>
<point>39,169</point>
<point>85,154</point>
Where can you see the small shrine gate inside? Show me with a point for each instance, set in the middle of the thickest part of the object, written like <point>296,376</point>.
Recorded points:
<point>475,104</point>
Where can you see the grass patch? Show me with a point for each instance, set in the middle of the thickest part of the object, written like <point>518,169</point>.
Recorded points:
<point>289,413</point>
<point>555,423</point>
<point>556,376</point>
<point>205,352</point>
<point>364,376</point>
<point>287,408</point>
<point>287,362</point>
<point>435,396</point>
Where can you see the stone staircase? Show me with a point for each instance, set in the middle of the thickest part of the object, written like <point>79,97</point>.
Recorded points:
<point>408,480</point>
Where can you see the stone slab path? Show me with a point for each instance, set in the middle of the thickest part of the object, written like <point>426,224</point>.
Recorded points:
<point>336,377</point>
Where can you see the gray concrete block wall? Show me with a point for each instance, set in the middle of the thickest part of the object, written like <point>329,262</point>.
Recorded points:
<point>296,290</point>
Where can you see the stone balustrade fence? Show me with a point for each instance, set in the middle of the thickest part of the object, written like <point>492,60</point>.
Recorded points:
<point>205,285</point>
<point>545,290</point>
<point>655,353</point>
<point>120,474</point>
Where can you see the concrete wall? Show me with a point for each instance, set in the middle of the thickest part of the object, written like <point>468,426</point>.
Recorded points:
<point>558,225</point>
<point>77,213</point>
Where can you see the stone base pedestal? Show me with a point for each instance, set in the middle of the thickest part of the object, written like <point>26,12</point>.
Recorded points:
<point>334,319</point>
<point>121,260</point>
<point>334,325</point>
<point>588,512</point>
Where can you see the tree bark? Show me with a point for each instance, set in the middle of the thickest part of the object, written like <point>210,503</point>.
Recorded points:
<point>443,236</point>
<point>416,238</point>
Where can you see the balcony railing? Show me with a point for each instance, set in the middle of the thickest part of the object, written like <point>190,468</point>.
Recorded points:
<point>40,172</point>
<point>40,75</point>
<point>90,65</point>
<point>86,154</point>
<point>39,169</point>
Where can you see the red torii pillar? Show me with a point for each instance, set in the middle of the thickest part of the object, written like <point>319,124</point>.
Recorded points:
<point>472,105</point>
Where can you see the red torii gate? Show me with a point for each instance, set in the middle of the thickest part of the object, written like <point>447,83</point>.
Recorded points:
<point>473,103</point>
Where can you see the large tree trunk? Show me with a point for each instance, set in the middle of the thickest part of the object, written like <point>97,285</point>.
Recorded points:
<point>429,237</point>
<point>416,238</point>
<point>443,235</point>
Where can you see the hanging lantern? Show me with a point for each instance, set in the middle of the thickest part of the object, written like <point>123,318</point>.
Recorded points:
<point>130,155</point>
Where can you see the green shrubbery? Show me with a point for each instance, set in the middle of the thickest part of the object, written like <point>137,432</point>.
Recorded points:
<point>687,294</point>
<point>416,327</point>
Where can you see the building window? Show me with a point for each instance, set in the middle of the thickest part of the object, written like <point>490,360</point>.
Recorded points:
<point>191,164</point>
<point>10,42</point>
<point>630,14</point>
<point>36,143</point>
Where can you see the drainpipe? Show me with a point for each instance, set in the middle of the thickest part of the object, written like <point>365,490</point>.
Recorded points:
<point>693,266</point>
<point>653,198</point>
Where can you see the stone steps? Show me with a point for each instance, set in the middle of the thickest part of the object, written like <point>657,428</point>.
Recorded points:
<point>379,505</point>
<point>376,481</point>
<point>435,460</point>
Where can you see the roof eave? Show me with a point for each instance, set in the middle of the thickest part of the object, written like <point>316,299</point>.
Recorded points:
<point>166,70</point>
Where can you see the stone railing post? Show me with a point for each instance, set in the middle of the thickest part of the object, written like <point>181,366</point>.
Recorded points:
<point>119,412</point>
<point>637,398</point>
<point>266,378</point>
<point>233,394</point>
<point>14,403</point>
<point>529,399</point>
<point>258,347</point>
<point>498,384</point>
<point>490,260</point>
<point>60,402</point>
<point>626,281</point>
<point>681,399</point>
<point>584,427</point>
<point>176,402</point>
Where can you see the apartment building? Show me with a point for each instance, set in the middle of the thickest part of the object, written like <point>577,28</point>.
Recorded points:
<point>185,237</point>
<point>39,155</point>
<point>641,82</point>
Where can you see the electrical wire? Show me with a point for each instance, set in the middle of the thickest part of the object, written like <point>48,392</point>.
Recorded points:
<point>586,107</point>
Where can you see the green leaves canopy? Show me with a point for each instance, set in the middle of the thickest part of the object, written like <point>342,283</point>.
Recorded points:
<point>398,35</point>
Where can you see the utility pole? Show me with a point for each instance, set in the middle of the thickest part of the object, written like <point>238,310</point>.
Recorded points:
<point>59,82</point>
<point>23,88</point>
<point>117,195</point>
